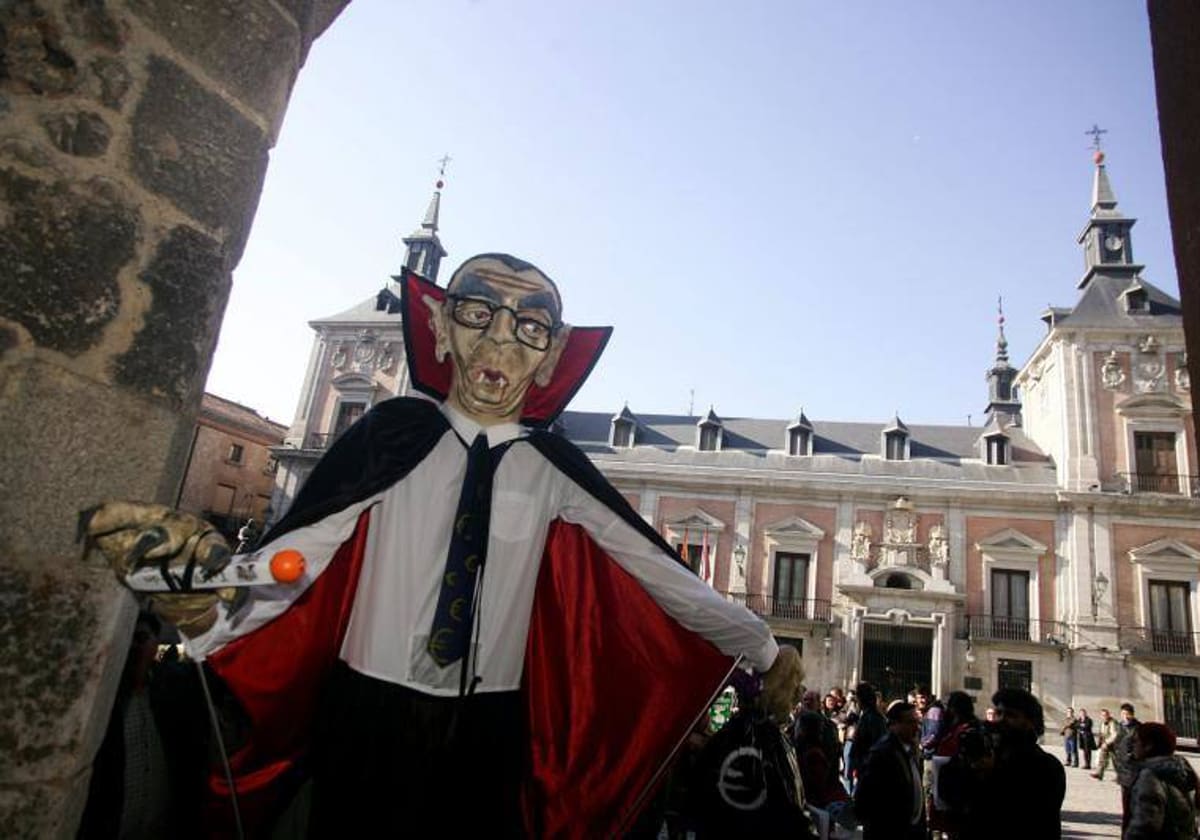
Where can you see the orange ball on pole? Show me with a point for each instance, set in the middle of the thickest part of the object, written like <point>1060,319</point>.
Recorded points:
<point>287,566</point>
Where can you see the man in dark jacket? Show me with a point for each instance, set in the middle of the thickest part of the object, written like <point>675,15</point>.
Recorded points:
<point>1019,791</point>
<point>868,729</point>
<point>1124,760</point>
<point>889,799</point>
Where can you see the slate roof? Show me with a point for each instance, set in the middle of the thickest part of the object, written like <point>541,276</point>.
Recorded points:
<point>1101,305</point>
<point>365,312</point>
<point>950,452</point>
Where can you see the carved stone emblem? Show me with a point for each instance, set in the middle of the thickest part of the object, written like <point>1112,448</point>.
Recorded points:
<point>341,355</point>
<point>1183,380</point>
<point>1111,374</point>
<point>860,544</point>
<point>900,526</point>
<point>1150,369</point>
<point>939,546</point>
<point>387,357</point>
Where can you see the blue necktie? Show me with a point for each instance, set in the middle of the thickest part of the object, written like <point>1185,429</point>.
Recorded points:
<point>450,636</point>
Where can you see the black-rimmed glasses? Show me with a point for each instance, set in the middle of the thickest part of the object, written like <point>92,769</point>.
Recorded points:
<point>478,314</point>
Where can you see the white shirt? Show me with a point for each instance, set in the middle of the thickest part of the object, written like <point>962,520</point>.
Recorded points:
<point>406,553</point>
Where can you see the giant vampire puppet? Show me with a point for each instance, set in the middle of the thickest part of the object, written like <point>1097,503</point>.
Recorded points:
<point>466,625</point>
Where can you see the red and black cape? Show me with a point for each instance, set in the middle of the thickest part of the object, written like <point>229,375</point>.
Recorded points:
<point>611,682</point>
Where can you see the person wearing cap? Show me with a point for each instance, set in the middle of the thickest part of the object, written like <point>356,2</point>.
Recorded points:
<point>478,598</point>
<point>1162,803</point>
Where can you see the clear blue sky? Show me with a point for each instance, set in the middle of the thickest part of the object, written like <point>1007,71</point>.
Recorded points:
<point>776,204</point>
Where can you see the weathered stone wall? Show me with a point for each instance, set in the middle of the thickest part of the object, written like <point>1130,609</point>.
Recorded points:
<point>134,137</point>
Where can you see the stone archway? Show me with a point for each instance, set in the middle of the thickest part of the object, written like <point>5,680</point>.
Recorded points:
<point>134,142</point>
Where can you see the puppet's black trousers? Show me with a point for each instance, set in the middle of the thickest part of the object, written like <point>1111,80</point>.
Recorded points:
<point>392,762</point>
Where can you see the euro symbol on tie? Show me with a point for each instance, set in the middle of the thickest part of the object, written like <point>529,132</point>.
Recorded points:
<point>461,524</point>
<point>438,644</point>
<point>472,563</point>
<point>456,608</point>
<point>451,579</point>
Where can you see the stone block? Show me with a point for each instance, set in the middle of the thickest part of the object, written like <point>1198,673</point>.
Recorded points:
<point>80,133</point>
<point>70,443</point>
<point>249,46</point>
<point>188,284</point>
<point>112,81</point>
<point>34,57</point>
<point>61,248</point>
<point>194,148</point>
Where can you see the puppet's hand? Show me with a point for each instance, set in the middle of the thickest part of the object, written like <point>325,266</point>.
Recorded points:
<point>133,534</point>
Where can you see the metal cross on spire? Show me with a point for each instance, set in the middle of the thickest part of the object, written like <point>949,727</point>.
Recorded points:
<point>1095,132</point>
<point>443,160</point>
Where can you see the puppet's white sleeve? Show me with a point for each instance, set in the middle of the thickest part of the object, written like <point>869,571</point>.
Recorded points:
<point>732,628</point>
<point>318,543</point>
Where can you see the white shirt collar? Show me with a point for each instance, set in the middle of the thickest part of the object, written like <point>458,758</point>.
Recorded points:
<point>468,429</point>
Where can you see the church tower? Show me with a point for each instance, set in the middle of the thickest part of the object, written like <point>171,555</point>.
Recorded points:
<point>357,361</point>
<point>1003,404</point>
<point>1107,248</point>
<point>423,250</point>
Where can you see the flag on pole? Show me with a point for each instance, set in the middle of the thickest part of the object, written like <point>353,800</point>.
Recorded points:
<point>686,550</point>
<point>704,570</point>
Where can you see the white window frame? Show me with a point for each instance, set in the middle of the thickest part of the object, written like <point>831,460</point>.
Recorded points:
<point>697,521</point>
<point>1156,413</point>
<point>793,535</point>
<point>1010,550</point>
<point>1167,560</point>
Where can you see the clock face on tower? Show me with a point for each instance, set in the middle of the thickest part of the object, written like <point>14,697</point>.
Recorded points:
<point>1113,243</point>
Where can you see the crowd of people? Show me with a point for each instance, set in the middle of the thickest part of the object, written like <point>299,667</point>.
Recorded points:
<point>922,767</point>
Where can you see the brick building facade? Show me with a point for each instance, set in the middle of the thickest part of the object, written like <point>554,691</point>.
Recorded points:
<point>230,469</point>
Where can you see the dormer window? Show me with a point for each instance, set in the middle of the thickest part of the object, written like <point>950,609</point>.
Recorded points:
<point>895,440</point>
<point>710,432</point>
<point>799,436</point>
<point>622,434</point>
<point>1137,301</point>
<point>997,450</point>
<point>799,441</point>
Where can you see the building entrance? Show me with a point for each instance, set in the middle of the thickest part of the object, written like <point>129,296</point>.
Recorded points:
<point>1181,704</point>
<point>894,659</point>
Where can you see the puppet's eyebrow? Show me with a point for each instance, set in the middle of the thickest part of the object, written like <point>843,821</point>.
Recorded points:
<point>539,300</point>
<point>476,286</point>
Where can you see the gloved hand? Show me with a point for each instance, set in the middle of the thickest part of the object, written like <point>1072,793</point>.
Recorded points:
<point>131,535</point>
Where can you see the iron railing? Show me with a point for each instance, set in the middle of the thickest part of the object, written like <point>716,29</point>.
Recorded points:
<point>1157,641</point>
<point>1003,628</point>
<point>787,609</point>
<point>1173,484</point>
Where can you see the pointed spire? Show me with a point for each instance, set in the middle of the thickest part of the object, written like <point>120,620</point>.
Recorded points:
<point>897,425</point>
<point>1104,200</point>
<point>431,215</point>
<point>1001,341</point>
<point>423,250</point>
<point>710,418</point>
